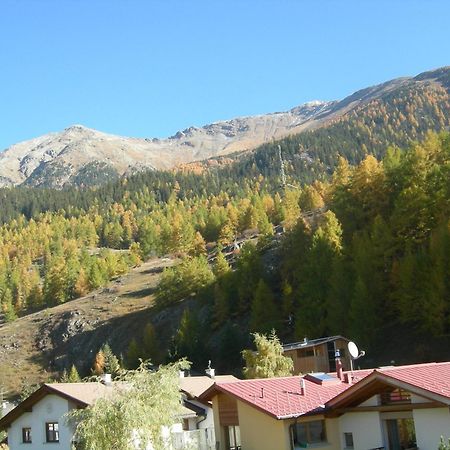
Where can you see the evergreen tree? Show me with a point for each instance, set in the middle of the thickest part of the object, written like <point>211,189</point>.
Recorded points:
<point>7,306</point>
<point>264,312</point>
<point>133,354</point>
<point>72,376</point>
<point>151,345</point>
<point>111,363</point>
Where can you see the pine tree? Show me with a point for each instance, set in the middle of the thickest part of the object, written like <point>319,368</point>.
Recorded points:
<point>264,312</point>
<point>221,266</point>
<point>150,345</point>
<point>72,376</point>
<point>98,367</point>
<point>82,284</point>
<point>111,363</point>
<point>7,306</point>
<point>133,354</point>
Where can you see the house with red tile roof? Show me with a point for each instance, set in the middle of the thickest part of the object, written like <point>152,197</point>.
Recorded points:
<point>390,408</point>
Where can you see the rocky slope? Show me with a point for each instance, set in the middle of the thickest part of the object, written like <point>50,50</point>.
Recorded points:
<point>38,346</point>
<point>82,156</point>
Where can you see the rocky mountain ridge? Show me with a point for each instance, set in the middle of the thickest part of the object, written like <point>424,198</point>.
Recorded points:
<point>82,156</point>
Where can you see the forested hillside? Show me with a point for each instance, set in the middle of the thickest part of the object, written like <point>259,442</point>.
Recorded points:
<point>375,266</point>
<point>394,113</point>
<point>373,261</point>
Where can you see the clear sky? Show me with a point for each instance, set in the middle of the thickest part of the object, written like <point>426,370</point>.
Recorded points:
<point>151,67</point>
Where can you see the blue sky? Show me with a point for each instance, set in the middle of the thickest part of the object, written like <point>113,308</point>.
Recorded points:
<point>149,68</point>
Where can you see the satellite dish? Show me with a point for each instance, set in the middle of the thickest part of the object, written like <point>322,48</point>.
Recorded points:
<point>353,350</point>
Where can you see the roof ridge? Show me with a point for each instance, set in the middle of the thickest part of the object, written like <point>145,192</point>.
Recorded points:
<point>408,366</point>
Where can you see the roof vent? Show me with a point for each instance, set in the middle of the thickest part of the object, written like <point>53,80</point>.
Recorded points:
<point>322,378</point>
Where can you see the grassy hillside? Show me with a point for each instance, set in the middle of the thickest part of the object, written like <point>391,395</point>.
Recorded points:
<point>39,346</point>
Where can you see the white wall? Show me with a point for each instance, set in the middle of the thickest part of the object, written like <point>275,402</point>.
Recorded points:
<point>430,425</point>
<point>366,429</point>
<point>417,399</point>
<point>372,401</point>
<point>50,409</point>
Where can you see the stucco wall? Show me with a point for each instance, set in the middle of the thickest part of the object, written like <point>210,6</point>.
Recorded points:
<point>331,428</point>
<point>50,409</point>
<point>260,431</point>
<point>430,425</point>
<point>366,429</point>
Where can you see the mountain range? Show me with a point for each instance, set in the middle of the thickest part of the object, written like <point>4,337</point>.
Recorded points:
<point>80,156</point>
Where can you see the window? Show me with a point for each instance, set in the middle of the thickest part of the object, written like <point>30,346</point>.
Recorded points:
<point>348,440</point>
<point>302,353</point>
<point>306,433</point>
<point>52,431</point>
<point>26,435</point>
<point>233,437</point>
<point>396,396</point>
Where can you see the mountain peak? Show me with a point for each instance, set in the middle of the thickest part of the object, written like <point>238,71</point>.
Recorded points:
<point>77,128</point>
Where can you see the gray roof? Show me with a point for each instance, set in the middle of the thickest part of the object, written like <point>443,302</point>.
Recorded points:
<point>307,343</point>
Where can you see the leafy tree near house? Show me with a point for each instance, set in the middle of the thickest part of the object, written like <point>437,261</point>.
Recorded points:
<point>137,414</point>
<point>444,445</point>
<point>268,359</point>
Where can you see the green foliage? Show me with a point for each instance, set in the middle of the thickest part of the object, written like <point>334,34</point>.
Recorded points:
<point>111,362</point>
<point>134,414</point>
<point>71,377</point>
<point>268,359</point>
<point>444,445</point>
<point>134,354</point>
<point>150,345</point>
<point>189,340</point>
<point>183,280</point>
<point>264,312</point>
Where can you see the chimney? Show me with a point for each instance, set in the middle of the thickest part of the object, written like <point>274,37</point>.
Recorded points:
<point>302,386</point>
<point>346,378</point>
<point>107,379</point>
<point>211,373</point>
<point>338,364</point>
<point>181,373</point>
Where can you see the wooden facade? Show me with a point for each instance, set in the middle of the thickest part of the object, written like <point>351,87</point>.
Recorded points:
<point>318,355</point>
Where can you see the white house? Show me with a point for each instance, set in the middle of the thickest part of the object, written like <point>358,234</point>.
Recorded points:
<point>390,408</point>
<point>199,428</point>
<point>40,419</point>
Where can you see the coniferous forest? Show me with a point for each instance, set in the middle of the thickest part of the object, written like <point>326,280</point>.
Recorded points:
<point>365,250</point>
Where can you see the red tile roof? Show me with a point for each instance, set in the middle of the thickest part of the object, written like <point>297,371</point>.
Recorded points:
<point>282,397</point>
<point>434,377</point>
